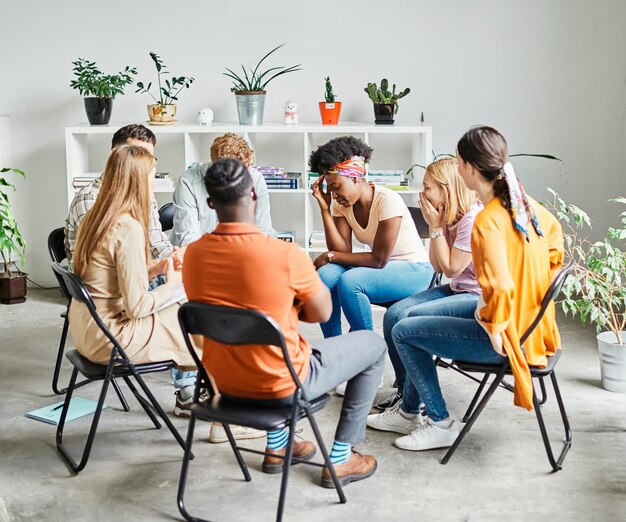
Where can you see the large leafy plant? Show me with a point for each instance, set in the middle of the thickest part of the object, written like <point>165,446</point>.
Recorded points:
<point>596,289</point>
<point>11,240</point>
<point>382,94</point>
<point>90,81</point>
<point>168,89</point>
<point>255,80</point>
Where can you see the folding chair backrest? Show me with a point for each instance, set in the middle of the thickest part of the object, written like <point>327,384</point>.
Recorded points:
<point>232,326</point>
<point>56,249</point>
<point>420,222</point>
<point>551,294</point>
<point>166,216</point>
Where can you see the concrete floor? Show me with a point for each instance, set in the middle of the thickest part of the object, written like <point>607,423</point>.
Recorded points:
<point>499,472</point>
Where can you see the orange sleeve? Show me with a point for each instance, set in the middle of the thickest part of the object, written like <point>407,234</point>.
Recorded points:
<point>493,275</point>
<point>304,279</point>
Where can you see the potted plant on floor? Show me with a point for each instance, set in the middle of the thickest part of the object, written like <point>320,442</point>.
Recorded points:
<point>330,109</point>
<point>99,89</point>
<point>596,290</point>
<point>12,282</point>
<point>163,111</point>
<point>249,88</point>
<point>385,101</point>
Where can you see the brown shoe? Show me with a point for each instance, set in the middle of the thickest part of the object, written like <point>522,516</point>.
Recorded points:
<point>358,467</point>
<point>303,450</point>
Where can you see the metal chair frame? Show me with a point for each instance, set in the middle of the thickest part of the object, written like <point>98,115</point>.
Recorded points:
<point>236,327</point>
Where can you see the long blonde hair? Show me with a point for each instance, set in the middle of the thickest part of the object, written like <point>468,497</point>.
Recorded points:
<point>125,189</point>
<point>457,197</point>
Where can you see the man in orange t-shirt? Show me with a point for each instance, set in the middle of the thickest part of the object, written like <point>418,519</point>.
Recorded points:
<point>236,265</point>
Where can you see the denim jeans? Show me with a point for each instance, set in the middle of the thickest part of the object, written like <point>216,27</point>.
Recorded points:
<point>353,289</point>
<point>357,357</point>
<point>433,303</point>
<point>418,339</point>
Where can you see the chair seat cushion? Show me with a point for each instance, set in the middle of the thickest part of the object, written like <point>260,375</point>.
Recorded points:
<point>492,368</point>
<point>95,371</point>
<point>251,414</point>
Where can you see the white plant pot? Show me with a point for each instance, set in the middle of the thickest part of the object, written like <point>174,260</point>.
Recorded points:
<point>612,362</point>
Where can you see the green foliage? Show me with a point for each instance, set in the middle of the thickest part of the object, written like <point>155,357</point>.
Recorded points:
<point>329,95</point>
<point>255,80</point>
<point>382,94</point>
<point>90,81</point>
<point>168,90</point>
<point>596,289</point>
<point>11,240</point>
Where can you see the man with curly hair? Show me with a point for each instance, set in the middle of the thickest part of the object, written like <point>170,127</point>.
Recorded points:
<point>192,216</point>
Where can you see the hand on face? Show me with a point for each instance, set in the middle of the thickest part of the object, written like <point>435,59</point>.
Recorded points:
<point>433,216</point>
<point>323,197</point>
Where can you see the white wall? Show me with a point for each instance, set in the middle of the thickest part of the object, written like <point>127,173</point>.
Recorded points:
<point>549,74</point>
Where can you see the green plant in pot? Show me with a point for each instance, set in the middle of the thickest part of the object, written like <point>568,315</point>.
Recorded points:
<point>163,111</point>
<point>385,101</point>
<point>330,109</point>
<point>99,89</point>
<point>596,289</point>
<point>12,244</point>
<point>249,88</point>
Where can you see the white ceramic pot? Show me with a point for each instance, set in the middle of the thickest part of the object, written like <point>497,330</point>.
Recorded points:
<point>162,114</point>
<point>612,362</point>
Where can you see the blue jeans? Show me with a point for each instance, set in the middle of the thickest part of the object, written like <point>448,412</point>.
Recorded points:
<point>418,339</point>
<point>433,303</point>
<point>353,289</point>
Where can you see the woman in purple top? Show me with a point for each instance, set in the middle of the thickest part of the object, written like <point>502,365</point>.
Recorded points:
<point>449,208</point>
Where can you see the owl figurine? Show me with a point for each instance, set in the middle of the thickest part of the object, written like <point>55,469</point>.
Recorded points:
<point>205,116</point>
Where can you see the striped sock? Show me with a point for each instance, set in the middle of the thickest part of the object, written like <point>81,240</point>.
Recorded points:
<point>277,439</point>
<point>340,452</point>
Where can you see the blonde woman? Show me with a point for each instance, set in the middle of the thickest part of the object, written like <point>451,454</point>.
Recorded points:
<point>112,260</point>
<point>449,208</point>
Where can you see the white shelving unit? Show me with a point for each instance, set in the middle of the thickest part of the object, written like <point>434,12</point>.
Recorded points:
<point>276,144</point>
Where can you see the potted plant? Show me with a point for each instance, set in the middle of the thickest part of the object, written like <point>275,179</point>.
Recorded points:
<point>163,111</point>
<point>596,290</point>
<point>385,101</point>
<point>330,109</point>
<point>99,89</point>
<point>249,88</point>
<point>12,282</point>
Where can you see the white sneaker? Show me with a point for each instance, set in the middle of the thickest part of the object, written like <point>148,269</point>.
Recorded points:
<point>429,436</point>
<point>393,420</point>
<point>341,389</point>
<point>218,433</point>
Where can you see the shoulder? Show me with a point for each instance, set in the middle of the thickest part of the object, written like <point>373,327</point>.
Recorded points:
<point>470,216</point>
<point>128,227</point>
<point>492,214</point>
<point>194,173</point>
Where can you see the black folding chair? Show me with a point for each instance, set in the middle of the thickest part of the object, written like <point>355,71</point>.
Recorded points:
<point>119,366</point>
<point>501,370</point>
<point>238,328</point>
<point>166,216</point>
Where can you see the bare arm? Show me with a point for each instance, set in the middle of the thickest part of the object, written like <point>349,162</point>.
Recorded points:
<point>317,309</point>
<point>450,261</point>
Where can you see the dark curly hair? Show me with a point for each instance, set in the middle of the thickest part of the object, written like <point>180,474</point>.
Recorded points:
<point>336,151</point>
<point>486,149</point>
<point>134,131</point>
<point>227,180</point>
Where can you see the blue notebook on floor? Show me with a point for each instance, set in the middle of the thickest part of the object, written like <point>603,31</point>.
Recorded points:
<point>79,407</point>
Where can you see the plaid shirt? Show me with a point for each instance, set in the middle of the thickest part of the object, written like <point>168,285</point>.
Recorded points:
<point>160,245</point>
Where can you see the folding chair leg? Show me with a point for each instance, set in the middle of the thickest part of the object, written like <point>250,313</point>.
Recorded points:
<point>470,408</point>
<point>182,483</point>
<point>120,395</point>
<point>94,424</point>
<point>477,411</point>
<point>555,463</point>
<point>242,463</point>
<point>329,464</point>
<point>287,465</point>
<point>143,402</point>
<point>57,364</point>
<point>544,395</point>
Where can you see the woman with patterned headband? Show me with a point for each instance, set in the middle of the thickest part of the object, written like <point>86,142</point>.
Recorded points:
<point>397,265</point>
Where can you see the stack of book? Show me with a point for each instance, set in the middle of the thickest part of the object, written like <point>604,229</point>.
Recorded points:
<point>163,182</point>
<point>317,240</point>
<point>82,181</point>
<point>277,178</point>
<point>286,235</point>
<point>392,179</point>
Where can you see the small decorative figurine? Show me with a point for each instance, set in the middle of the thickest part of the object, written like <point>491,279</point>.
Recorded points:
<point>205,116</point>
<point>291,113</point>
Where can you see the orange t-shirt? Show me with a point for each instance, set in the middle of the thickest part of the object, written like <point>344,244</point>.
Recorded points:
<point>236,265</point>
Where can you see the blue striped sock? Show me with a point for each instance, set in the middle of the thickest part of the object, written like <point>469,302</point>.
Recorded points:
<point>340,452</point>
<point>277,439</point>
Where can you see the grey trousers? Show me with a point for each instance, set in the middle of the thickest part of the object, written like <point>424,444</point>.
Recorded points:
<point>357,357</point>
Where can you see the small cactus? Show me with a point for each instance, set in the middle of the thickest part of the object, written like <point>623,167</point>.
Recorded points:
<point>329,95</point>
<point>383,95</point>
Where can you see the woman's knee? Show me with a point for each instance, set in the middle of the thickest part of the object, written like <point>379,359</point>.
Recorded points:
<point>330,274</point>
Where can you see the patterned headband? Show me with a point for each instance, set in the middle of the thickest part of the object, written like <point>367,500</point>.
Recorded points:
<point>351,168</point>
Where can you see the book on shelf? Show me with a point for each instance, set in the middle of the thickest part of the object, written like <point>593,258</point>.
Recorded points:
<point>317,239</point>
<point>163,182</point>
<point>287,180</point>
<point>286,235</point>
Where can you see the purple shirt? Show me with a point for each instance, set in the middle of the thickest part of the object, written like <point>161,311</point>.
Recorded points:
<point>460,236</point>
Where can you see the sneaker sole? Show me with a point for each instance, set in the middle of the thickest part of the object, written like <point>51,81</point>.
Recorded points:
<point>246,436</point>
<point>179,412</point>
<point>390,430</point>
<point>273,469</point>
<point>438,446</point>
<point>344,481</point>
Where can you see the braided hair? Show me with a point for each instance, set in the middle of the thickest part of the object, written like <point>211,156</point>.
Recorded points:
<point>486,150</point>
<point>337,151</point>
<point>227,180</point>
